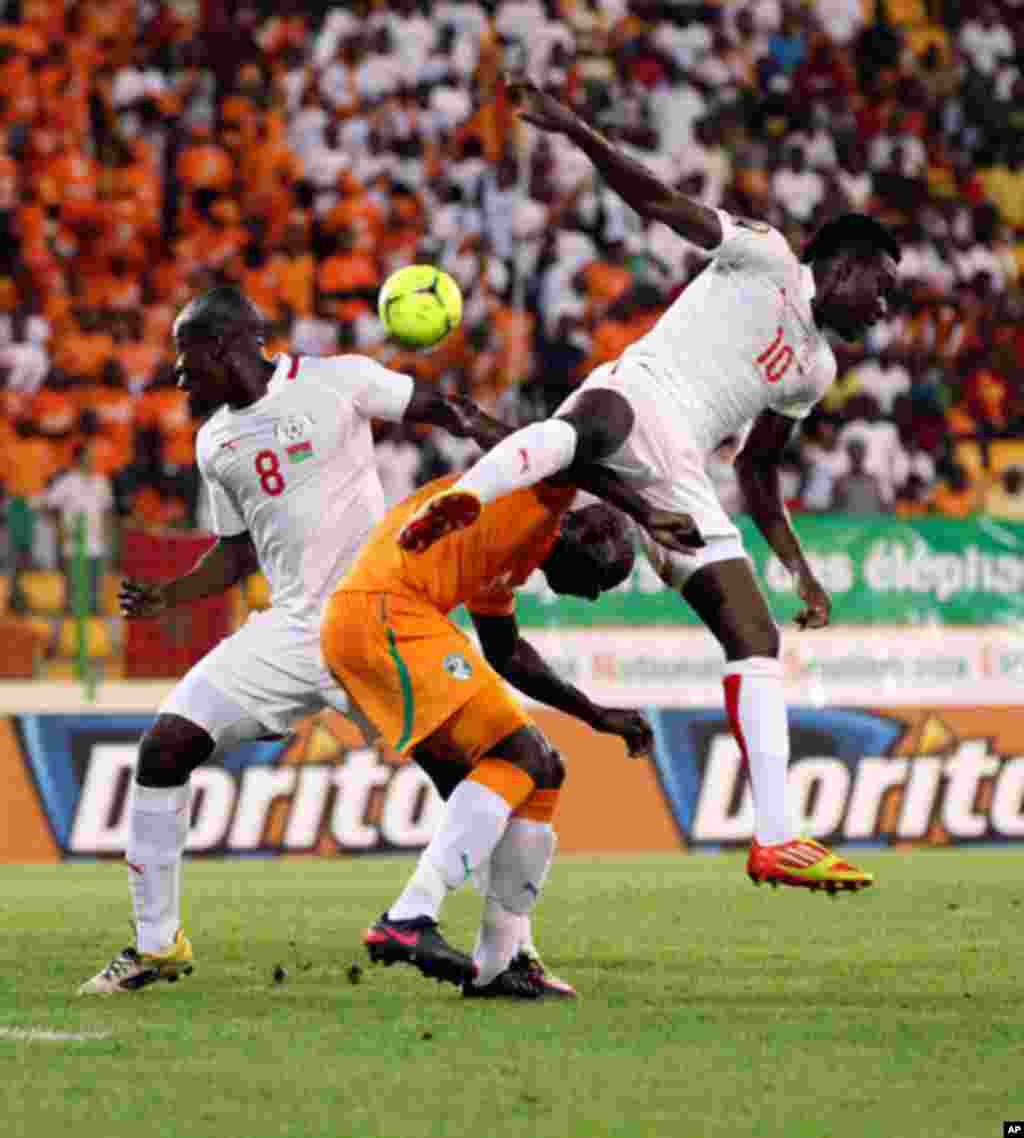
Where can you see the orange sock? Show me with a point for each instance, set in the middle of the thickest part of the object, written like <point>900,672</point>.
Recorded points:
<point>539,807</point>
<point>505,779</point>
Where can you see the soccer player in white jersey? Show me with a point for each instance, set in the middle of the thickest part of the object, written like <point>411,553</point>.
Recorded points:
<point>287,457</point>
<point>744,344</point>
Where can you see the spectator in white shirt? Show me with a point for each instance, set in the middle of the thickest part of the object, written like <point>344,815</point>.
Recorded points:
<point>884,378</point>
<point>82,494</point>
<point>824,462</point>
<point>708,157</point>
<point>854,178</point>
<point>796,188</point>
<point>987,41</point>
<point>842,19</point>
<point>885,457</point>
<point>898,142</point>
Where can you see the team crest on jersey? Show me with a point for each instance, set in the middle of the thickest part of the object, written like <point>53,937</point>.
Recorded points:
<point>294,434</point>
<point>457,666</point>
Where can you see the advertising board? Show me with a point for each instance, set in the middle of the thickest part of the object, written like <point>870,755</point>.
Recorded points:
<point>883,774</point>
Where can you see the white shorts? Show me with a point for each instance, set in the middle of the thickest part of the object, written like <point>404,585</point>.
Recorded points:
<point>663,465</point>
<point>260,681</point>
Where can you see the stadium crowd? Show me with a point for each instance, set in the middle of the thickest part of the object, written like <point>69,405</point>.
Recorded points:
<point>152,149</point>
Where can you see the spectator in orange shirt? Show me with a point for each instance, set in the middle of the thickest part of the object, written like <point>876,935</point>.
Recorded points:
<point>297,269</point>
<point>607,279</point>
<point>259,277</point>
<point>629,318</point>
<point>53,413</point>
<point>985,407</point>
<point>956,496</point>
<point>112,409</point>
<point>217,235</point>
<point>205,164</point>
<point>28,461</point>
<point>137,357</point>
<point>86,347</point>
<point>163,411</point>
<point>348,281</point>
<point>115,288</point>
<point>357,212</point>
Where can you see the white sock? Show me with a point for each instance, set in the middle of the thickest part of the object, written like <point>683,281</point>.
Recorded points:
<point>157,830</point>
<point>757,714</point>
<point>519,867</point>
<point>524,942</point>
<point>497,941</point>
<point>521,863</point>
<point>526,457</point>
<point>474,819</point>
<point>423,895</point>
<point>526,937</point>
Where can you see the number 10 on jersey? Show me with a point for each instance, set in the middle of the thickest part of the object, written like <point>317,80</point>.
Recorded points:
<point>776,358</point>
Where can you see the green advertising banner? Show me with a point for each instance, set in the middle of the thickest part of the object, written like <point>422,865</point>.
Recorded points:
<point>878,571</point>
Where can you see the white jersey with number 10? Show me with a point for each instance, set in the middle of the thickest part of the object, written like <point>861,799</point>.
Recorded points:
<point>739,340</point>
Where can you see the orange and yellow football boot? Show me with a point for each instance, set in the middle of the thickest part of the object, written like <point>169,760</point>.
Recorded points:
<point>804,863</point>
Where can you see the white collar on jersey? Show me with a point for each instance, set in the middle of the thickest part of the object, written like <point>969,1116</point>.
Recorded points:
<point>282,365</point>
<point>808,287</point>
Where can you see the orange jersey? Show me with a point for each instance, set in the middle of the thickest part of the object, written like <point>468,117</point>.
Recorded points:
<point>479,567</point>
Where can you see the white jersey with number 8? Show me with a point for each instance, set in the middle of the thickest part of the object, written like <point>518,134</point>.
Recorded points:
<point>296,469</point>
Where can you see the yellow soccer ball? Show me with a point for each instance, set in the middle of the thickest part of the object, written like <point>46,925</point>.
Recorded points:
<point>419,305</point>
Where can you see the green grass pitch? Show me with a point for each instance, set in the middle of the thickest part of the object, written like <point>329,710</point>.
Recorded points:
<point>707,1008</point>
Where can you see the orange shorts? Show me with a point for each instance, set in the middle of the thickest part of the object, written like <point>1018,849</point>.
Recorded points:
<point>414,675</point>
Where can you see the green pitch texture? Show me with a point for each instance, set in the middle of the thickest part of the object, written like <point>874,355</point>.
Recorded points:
<point>708,1007</point>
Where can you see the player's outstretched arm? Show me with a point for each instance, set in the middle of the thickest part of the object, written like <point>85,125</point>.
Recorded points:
<point>225,564</point>
<point>631,180</point>
<point>517,661</point>
<point>757,470</point>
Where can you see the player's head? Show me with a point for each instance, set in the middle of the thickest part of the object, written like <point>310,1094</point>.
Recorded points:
<point>219,340</point>
<point>593,553</point>
<point>854,260</point>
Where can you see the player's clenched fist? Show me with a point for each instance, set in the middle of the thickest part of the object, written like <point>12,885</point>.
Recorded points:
<point>141,598</point>
<point>629,725</point>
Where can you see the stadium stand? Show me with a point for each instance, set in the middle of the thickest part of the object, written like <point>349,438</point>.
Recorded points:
<point>304,151</point>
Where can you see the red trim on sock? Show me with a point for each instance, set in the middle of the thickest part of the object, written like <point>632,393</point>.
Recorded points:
<point>293,370</point>
<point>732,709</point>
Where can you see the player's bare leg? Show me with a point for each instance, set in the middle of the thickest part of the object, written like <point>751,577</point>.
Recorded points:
<point>726,596</point>
<point>158,828</point>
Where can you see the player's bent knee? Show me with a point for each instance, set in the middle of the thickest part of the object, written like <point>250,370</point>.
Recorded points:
<point>764,641</point>
<point>170,750</point>
<point>526,749</point>
<point>555,772</point>
<point>602,420</point>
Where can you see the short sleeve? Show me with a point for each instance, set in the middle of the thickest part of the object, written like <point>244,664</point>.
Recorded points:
<point>754,246</point>
<point>499,600</point>
<point>376,391</point>
<point>227,519</point>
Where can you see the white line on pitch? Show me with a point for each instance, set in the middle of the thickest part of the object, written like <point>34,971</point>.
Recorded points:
<point>32,1033</point>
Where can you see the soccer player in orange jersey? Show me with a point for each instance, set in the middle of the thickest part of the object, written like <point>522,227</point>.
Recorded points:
<point>387,638</point>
